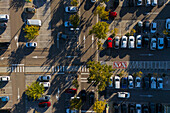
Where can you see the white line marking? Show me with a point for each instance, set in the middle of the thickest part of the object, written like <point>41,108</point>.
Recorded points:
<point>38,56</point>
<point>58,68</point>
<point>63,68</point>
<point>18,94</point>
<point>23,69</point>
<point>84,40</point>
<point>18,69</point>
<point>92,38</point>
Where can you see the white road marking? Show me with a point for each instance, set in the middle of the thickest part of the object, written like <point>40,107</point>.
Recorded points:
<point>38,56</point>
<point>57,42</point>
<point>18,94</point>
<point>146,95</point>
<point>84,41</point>
<point>2,58</point>
<point>92,38</point>
<point>146,54</point>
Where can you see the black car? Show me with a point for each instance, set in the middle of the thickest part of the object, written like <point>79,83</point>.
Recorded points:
<point>146,27</point>
<point>131,108</point>
<point>159,108</point>
<point>167,42</point>
<point>152,107</point>
<point>146,83</point>
<point>4,45</point>
<point>83,95</point>
<point>145,41</point>
<point>45,98</point>
<point>91,98</point>
<point>30,10</point>
<point>123,108</point>
<point>145,109</point>
<point>115,108</point>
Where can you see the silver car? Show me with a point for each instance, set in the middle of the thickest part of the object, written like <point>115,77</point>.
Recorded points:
<point>44,78</point>
<point>31,44</point>
<point>116,42</point>
<point>131,42</point>
<point>124,42</point>
<point>71,9</point>
<point>139,41</point>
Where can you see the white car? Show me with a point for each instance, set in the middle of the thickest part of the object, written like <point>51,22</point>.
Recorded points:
<point>31,44</point>
<point>93,1</point>
<point>160,83</point>
<point>138,82</point>
<point>130,80</point>
<point>153,82</point>
<point>67,24</point>
<point>167,25</point>
<point>71,9</point>
<point>139,2</point>
<point>5,78</point>
<point>153,27</point>
<point>117,82</point>
<point>111,84</point>
<point>139,41</point>
<point>124,42</point>
<point>116,42</point>
<point>131,42</point>
<point>160,43</point>
<point>44,78</point>
<point>45,84</point>
<point>153,44</point>
<point>74,29</point>
<point>138,108</point>
<point>123,94</point>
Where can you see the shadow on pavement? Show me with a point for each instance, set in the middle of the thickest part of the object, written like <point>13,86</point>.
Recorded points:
<point>17,4</point>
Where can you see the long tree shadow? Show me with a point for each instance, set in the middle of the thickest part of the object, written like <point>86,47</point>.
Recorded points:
<point>17,4</point>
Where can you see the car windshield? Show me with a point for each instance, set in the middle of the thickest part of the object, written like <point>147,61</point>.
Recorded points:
<point>117,80</point>
<point>138,80</point>
<point>117,39</point>
<point>124,39</point>
<point>139,2</point>
<point>131,39</point>
<point>109,40</point>
<point>154,28</point>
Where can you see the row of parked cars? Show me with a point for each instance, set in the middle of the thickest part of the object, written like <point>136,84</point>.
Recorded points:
<point>138,108</point>
<point>135,82</point>
<point>4,79</point>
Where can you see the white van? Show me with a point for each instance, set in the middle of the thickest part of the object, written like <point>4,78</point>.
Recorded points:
<point>4,17</point>
<point>154,2</point>
<point>148,2</point>
<point>33,22</point>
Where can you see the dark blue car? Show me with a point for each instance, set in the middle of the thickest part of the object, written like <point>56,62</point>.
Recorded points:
<point>124,82</point>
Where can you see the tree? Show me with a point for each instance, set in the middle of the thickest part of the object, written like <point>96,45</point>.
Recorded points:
<point>115,32</point>
<point>100,30</point>
<point>104,0</point>
<point>132,32</point>
<point>99,74</point>
<point>31,32</point>
<point>138,74</point>
<point>99,106</point>
<point>74,2</point>
<point>75,103</point>
<point>100,45</point>
<point>101,12</point>
<point>75,20</point>
<point>35,91</point>
<point>75,83</point>
<point>165,32</point>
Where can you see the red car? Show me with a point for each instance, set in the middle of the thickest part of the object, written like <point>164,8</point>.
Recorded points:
<point>112,14</point>
<point>109,43</point>
<point>71,90</point>
<point>44,104</point>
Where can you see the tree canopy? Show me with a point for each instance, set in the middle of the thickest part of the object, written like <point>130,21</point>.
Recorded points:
<point>100,10</point>
<point>75,103</point>
<point>100,30</point>
<point>99,106</point>
<point>104,0</point>
<point>99,74</point>
<point>74,2</point>
<point>138,74</point>
<point>75,20</point>
<point>35,90</point>
<point>31,32</point>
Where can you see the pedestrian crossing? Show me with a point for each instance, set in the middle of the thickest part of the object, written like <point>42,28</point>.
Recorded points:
<point>17,68</point>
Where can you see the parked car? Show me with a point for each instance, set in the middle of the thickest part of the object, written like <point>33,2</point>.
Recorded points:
<point>139,26</point>
<point>71,90</point>
<point>131,42</point>
<point>138,108</point>
<point>146,82</point>
<point>4,45</point>
<point>160,43</point>
<point>3,25</point>
<point>117,82</point>
<point>167,25</point>
<point>115,108</point>
<point>148,2</point>
<point>83,95</point>
<point>124,82</point>
<point>154,2</point>
<point>44,104</point>
<point>153,27</point>
<point>74,29</point>
<point>153,82</point>
<point>116,42</point>
<point>130,79</point>
<point>93,1</point>
<point>44,78</point>
<point>124,108</point>
<point>4,98</point>
<point>45,84</point>
<point>30,10</point>
<point>4,18</point>
<point>146,26</point>
<point>132,108</point>
<point>67,24</point>
<point>145,108</point>
<point>45,98</point>
<point>138,82</point>
<point>4,78</point>
<point>91,98</point>
<point>159,108</point>
<point>124,42</point>
<point>31,44</point>
<point>139,2</point>
<point>145,42</point>
<point>123,94</point>
<point>112,14</point>
<point>61,35</point>
<point>71,9</point>
<point>152,107</point>
<point>111,84</point>
<point>153,44</point>
<point>109,43</point>
<point>160,83</point>
<point>138,41</point>
<point>167,42</point>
